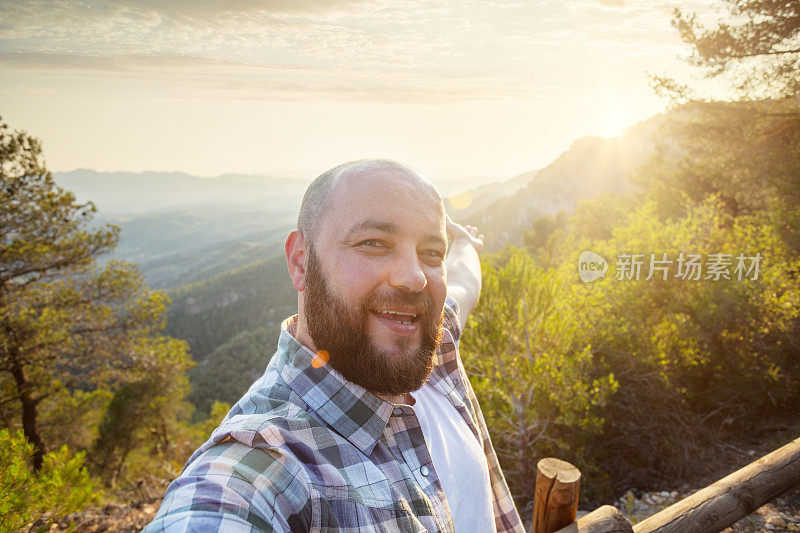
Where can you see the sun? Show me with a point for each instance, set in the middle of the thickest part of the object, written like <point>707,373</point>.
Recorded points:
<point>612,117</point>
<point>612,125</point>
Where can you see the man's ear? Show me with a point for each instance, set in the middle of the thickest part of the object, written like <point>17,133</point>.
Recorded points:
<point>295,248</point>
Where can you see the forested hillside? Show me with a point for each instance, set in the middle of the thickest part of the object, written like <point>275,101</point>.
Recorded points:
<point>231,323</point>
<point>652,375</point>
<point>591,167</point>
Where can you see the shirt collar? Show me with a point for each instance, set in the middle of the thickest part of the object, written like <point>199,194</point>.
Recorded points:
<point>349,409</point>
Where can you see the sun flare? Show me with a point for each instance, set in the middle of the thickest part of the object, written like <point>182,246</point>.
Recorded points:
<point>612,124</point>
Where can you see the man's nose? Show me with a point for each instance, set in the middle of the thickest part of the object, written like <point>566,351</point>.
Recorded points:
<point>406,272</point>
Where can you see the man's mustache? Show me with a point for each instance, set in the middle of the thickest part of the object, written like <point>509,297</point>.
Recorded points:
<point>400,298</point>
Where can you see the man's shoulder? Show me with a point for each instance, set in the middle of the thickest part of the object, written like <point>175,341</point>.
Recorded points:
<point>268,415</point>
<point>235,486</point>
<point>267,449</point>
<point>286,452</point>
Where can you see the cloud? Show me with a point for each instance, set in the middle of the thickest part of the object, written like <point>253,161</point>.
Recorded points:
<point>376,50</point>
<point>102,25</point>
<point>191,11</point>
<point>612,3</point>
<point>145,64</point>
<point>219,79</point>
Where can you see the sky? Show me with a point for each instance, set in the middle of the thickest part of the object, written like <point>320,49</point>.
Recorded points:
<point>456,88</point>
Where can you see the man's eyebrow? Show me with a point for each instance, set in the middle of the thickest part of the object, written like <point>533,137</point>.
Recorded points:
<point>390,228</point>
<point>369,224</point>
<point>436,239</point>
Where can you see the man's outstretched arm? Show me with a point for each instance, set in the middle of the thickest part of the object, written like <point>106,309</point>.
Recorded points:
<point>463,267</point>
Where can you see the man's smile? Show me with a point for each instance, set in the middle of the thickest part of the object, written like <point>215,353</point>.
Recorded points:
<point>399,322</point>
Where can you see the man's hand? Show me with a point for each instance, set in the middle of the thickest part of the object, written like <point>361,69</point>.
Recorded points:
<point>456,231</point>
<point>463,267</point>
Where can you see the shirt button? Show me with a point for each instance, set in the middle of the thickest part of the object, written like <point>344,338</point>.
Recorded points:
<point>398,411</point>
<point>455,382</point>
<point>424,471</point>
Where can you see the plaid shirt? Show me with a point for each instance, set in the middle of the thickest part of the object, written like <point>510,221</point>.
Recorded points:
<point>307,450</point>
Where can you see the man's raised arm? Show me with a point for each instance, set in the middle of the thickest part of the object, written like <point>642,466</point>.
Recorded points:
<point>463,267</point>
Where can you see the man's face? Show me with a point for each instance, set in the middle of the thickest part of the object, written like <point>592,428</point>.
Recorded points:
<point>375,281</point>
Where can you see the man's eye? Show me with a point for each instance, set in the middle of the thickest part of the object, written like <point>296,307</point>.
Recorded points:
<point>371,243</point>
<point>435,253</point>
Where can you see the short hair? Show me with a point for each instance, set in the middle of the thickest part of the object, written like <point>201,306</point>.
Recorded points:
<point>317,197</point>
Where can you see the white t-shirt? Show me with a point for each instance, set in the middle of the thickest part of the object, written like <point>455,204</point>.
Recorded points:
<point>458,459</point>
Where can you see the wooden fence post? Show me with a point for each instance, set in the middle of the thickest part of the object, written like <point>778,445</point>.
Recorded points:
<point>555,503</point>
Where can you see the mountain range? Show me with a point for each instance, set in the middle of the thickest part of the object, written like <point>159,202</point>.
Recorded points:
<point>216,244</point>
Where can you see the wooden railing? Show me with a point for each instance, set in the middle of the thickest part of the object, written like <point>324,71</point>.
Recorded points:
<point>709,510</point>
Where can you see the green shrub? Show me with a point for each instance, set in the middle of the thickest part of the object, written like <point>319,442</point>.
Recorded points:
<point>40,498</point>
<point>532,368</point>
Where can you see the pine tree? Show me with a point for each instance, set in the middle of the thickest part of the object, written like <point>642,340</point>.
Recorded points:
<point>65,320</point>
<point>757,47</point>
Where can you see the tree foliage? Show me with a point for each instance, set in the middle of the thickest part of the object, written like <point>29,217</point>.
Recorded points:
<point>756,47</point>
<point>66,322</point>
<point>145,411</point>
<point>696,364</point>
<point>39,498</point>
<point>531,367</point>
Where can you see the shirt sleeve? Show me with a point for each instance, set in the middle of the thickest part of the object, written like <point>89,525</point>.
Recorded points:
<point>233,487</point>
<point>452,313</point>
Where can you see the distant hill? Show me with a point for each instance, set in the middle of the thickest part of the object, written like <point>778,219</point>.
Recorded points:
<point>465,204</point>
<point>182,229</point>
<point>592,166</point>
<point>126,193</point>
<point>188,267</point>
<point>180,247</point>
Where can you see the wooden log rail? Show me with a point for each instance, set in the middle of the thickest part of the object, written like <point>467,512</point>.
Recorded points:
<point>731,498</point>
<point>709,510</point>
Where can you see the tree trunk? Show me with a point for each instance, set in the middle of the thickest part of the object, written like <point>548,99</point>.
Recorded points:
<point>30,413</point>
<point>165,439</point>
<point>120,464</point>
<point>525,465</point>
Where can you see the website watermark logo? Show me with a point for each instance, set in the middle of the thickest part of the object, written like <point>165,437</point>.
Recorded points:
<point>591,266</point>
<point>692,267</point>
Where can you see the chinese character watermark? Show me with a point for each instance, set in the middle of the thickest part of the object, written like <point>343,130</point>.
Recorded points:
<point>686,266</point>
<point>629,266</point>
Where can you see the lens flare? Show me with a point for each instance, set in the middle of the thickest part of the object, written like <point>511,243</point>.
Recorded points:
<point>320,359</point>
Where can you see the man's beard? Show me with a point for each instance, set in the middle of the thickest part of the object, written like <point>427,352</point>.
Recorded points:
<point>342,332</point>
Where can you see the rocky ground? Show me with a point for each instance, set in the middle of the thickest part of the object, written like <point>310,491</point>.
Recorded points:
<point>110,517</point>
<point>781,514</point>
<point>132,510</point>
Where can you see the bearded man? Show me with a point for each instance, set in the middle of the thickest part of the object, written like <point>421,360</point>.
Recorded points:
<point>364,419</point>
